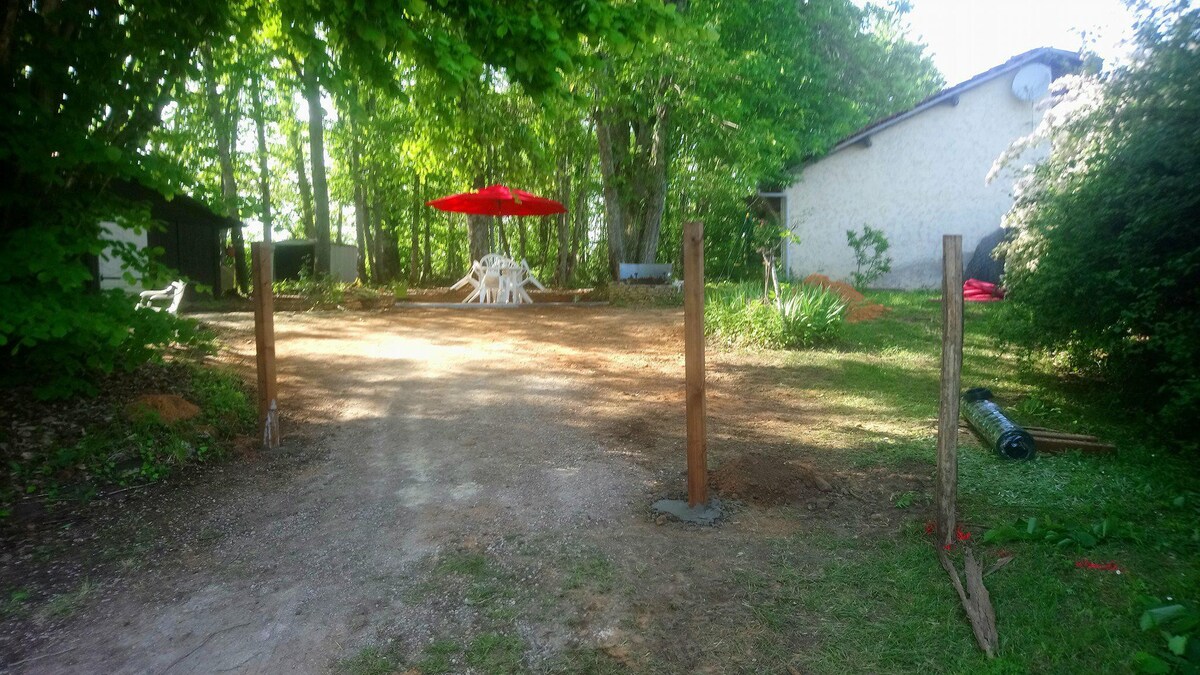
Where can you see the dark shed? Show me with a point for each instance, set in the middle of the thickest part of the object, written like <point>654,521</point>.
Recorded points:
<point>189,234</point>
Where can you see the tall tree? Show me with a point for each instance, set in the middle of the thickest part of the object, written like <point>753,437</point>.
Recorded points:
<point>533,41</point>
<point>83,84</point>
<point>299,162</point>
<point>724,102</point>
<point>222,107</point>
<point>264,167</point>
<point>316,141</point>
<point>414,240</point>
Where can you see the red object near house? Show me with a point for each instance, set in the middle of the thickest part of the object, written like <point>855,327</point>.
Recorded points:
<point>975,290</point>
<point>498,200</point>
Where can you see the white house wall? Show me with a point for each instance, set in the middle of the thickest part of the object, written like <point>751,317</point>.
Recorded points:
<point>919,179</point>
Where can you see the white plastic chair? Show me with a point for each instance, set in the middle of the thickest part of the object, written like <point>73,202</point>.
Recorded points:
<point>497,279</point>
<point>172,295</point>
<point>516,278</point>
<point>490,286</point>
<point>472,279</point>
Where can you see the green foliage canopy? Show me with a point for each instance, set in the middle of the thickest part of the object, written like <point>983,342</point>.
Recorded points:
<point>427,99</point>
<point>1104,265</point>
<point>82,84</point>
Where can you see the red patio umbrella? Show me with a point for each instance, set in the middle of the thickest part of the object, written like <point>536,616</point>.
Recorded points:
<point>498,200</point>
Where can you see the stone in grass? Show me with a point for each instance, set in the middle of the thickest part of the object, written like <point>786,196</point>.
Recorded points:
<point>167,408</point>
<point>701,514</point>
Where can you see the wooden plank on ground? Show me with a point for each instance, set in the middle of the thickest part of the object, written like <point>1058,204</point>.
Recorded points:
<point>1051,444</point>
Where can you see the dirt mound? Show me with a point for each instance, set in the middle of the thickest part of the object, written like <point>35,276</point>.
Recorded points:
<point>859,308</point>
<point>848,293</point>
<point>169,408</point>
<point>865,312</point>
<point>767,480</point>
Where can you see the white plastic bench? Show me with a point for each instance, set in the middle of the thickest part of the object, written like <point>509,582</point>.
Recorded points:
<point>167,298</point>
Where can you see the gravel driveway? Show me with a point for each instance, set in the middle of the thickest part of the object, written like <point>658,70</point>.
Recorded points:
<point>450,481</point>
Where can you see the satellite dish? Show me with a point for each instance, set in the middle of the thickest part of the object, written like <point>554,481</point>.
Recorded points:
<point>1032,82</point>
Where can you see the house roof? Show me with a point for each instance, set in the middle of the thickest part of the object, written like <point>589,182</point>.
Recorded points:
<point>1060,61</point>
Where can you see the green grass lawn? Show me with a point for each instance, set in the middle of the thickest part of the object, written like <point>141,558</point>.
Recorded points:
<point>888,606</point>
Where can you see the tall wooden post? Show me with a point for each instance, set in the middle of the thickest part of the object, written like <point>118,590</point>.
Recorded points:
<point>952,354</point>
<point>264,344</point>
<point>693,346</point>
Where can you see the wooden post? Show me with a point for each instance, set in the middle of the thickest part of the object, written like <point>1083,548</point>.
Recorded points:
<point>264,344</point>
<point>952,354</point>
<point>976,600</point>
<point>693,347</point>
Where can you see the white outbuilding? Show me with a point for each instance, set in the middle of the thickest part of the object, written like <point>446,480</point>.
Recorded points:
<point>919,174</point>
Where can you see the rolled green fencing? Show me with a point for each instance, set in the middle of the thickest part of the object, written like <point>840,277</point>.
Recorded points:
<point>987,419</point>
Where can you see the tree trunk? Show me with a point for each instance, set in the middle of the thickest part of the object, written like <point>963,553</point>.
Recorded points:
<point>544,225</point>
<point>633,181</point>
<point>562,224</point>
<point>562,272</point>
<point>504,239</point>
<point>360,239</point>
<point>224,129</point>
<point>369,239</point>
<point>307,226</point>
<point>578,254</point>
<point>316,139</point>
<point>655,186</point>
<point>477,228</point>
<point>388,255</point>
<point>264,168</point>
<point>361,225</point>
<point>427,266</point>
<point>614,209</point>
<point>521,238</point>
<point>414,237</point>
<point>453,251</point>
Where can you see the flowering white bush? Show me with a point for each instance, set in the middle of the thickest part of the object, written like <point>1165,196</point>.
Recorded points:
<point>1103,257</point>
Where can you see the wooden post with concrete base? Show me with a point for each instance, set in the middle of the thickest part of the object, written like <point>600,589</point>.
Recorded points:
<point>693,347</point>
<point>264,344</point>
<point>697,509</point>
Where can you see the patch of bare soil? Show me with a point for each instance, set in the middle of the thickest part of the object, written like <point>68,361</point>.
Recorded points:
<point>768,480</point>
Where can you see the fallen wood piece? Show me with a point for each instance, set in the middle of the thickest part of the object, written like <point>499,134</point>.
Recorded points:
<point>1045,444</point>
<point>1066,437</point>
<point>1037,433</point>
<point>975,600</point>
<point>997,566</point>
<point>124,489</point>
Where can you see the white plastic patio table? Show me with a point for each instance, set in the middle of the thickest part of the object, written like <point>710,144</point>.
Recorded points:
<point>497,279</point>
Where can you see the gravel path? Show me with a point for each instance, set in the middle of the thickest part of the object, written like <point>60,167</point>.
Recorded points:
<point>435,429</point>
<point>528,443</point>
